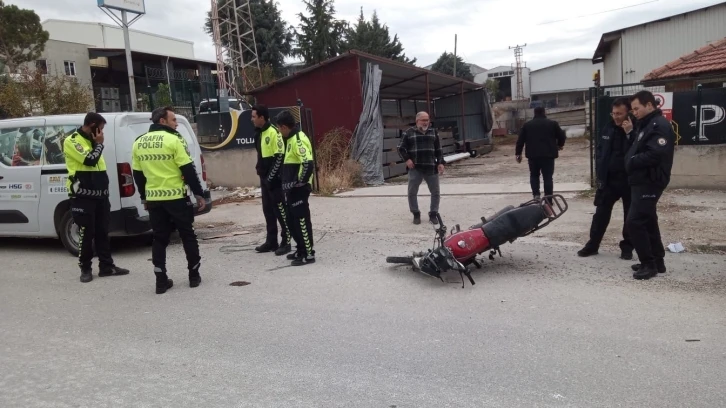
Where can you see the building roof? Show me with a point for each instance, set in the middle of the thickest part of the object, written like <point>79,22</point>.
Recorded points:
<point>115,27</point>
<point>606,39</point>
<point>399,80</point>
<point>95,52</point>
<point>705,60</point>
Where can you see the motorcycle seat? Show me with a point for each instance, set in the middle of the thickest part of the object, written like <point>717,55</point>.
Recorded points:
<point>513,224</point>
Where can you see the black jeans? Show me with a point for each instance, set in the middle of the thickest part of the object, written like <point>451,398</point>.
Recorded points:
<point>300,223</point>
<point>643,223</point>
<point>546,167</point>
<point>605,200</point>
<point>165,215</point>
<point>92,217</point>
<point>273,207</point>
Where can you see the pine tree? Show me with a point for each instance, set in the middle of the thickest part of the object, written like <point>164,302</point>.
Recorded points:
<point>274,37</point>
<point>321,35</point>
<point>373,37</point>
<point>445,65</point>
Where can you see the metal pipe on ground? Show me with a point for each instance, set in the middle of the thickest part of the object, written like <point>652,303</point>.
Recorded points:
<point>456,157</point>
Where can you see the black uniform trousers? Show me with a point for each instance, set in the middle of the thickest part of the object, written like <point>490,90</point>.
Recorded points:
<point>299,220</point>
<point>273,207</point>
<point>92,215</point>
<point>605,199</point>
<point>642,223</point>
<point>164,216</point>
<point>546,167</point>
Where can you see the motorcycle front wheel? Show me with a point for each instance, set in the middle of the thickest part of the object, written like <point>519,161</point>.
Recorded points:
<point>408,260</point>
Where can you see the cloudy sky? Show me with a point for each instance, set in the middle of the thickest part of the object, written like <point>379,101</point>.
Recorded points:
<point>554,30</point>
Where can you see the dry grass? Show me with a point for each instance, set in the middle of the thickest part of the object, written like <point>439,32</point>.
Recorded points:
<point>337,171</point>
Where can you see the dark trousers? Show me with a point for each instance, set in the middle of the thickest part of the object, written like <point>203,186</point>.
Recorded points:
<point>546,167</point>
<point>273,207</point>
<point>164,216</point>
<point>299,220</point>
<point>642,223</point>
<point>605,199</point>
<point>92,217</point>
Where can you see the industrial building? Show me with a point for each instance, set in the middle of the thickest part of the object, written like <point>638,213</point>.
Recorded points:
<point>506,76</point>
<point>630,53</point>
<point>94,53</point>
<point>565,84</point>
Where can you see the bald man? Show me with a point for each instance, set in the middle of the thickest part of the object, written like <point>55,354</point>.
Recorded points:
<point>420,148</point>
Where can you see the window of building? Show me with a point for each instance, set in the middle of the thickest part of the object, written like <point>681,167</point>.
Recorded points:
<point>70,67</point>
<point>42,66</point>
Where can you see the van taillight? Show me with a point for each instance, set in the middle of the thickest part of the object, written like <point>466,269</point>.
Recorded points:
<point>125,180</point>
<point>204,167</point>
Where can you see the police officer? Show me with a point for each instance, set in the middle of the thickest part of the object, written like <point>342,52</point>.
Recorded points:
<point>648,164</point>
<point>297,177</point>
<point>612,181</point>
<point>270,156</point>
<point>88,191</point>
<point>161,166</point>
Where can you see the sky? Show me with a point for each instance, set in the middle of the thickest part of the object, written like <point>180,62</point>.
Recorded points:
<point>554,31</point>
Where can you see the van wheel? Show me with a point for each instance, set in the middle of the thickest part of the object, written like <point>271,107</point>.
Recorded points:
<point>69,233</point>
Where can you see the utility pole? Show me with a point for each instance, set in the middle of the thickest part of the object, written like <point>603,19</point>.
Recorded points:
<point>518,58</point>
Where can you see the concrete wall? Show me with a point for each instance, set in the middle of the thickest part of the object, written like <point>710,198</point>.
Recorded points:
<point>57,52</point>
<point>232,168</point>
<point>699,167</point>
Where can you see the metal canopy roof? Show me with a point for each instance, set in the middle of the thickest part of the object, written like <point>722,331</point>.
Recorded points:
<point>399,80</point>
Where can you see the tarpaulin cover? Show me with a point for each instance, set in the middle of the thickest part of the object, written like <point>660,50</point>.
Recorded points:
<point>368,136</point>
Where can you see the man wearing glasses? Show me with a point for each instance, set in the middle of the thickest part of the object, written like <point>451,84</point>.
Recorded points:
<point>612,180</point>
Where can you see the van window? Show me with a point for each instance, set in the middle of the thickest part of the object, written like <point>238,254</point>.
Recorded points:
<point>21,147</point>
<point>53,145</point>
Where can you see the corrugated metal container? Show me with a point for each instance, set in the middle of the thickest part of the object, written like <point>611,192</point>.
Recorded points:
<point>650,46</point>
<point>333,92</point>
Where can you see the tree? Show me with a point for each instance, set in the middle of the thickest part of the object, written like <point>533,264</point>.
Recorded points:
<point>321,35</point>
<point>32,93</point>
<point>492,87</point>
<point>22,38</point>
<point>373,37</point>
<point>445,65</point>
<point>273,36</point>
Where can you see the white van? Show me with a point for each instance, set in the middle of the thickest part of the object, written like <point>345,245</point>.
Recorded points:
<point>33,196</point>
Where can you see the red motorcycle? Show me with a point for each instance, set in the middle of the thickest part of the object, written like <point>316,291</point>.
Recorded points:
<point>459,250</point>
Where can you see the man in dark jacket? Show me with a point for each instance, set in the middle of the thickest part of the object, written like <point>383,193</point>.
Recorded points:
<point>648,164</point>
<point>612,181</point>
<point>541,138</point>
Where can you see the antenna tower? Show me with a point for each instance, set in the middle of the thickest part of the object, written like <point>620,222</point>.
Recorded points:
<point>518,58</point>
<point>233,31</point>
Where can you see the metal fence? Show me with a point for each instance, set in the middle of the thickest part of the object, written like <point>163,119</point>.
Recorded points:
<point>186,90</point>
<point>698,117</point>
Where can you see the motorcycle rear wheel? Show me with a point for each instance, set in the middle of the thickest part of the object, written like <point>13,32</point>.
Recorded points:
<point>408,260</point>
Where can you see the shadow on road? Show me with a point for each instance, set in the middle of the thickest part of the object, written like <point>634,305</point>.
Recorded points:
<point>119,245</point>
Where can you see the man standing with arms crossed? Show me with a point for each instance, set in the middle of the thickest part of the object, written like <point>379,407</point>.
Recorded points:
<point>88,190</point>
<point>297,178</point>
<point>420,148</point>
<point>541,138</point>
<point>270,156</point>
<point>612,181</point>
<point>162,165</point>
<point>648,163</point>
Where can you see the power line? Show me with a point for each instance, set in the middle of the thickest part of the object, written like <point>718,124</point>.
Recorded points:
<point>600,12</point>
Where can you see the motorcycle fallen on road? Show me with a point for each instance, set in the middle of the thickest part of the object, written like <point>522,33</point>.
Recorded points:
<point>459,250</point>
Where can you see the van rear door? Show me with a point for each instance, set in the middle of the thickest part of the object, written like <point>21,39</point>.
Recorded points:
<point>21,151</point>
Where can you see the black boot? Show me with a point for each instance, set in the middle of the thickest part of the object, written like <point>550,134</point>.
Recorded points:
<point>111,271</point>
<point>304,260</point>
<point>86,275</point>
<point>194,278</point>
<point>293,256</point>
<point>646,271</point>
<point>587,251</point>
<point>625,254</point>
<point>283,249</point>
<point>267,247</point>
<point>162,281</point>
<point>659,265</point>
<point>417,218</point>
<point>432,218</point>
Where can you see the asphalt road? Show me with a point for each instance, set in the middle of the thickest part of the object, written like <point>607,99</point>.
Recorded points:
<point>541,328</point>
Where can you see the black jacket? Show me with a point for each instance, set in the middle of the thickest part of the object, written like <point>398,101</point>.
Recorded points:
<point>611,148</point>
<point>541,138</point>
<point>650,159</point>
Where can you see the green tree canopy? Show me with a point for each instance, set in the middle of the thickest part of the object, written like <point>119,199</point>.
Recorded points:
<point>22,38</point>
<point>273,36</point>
<point>373,37</point>
<point>321,35</point>
<point>445,65</point>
